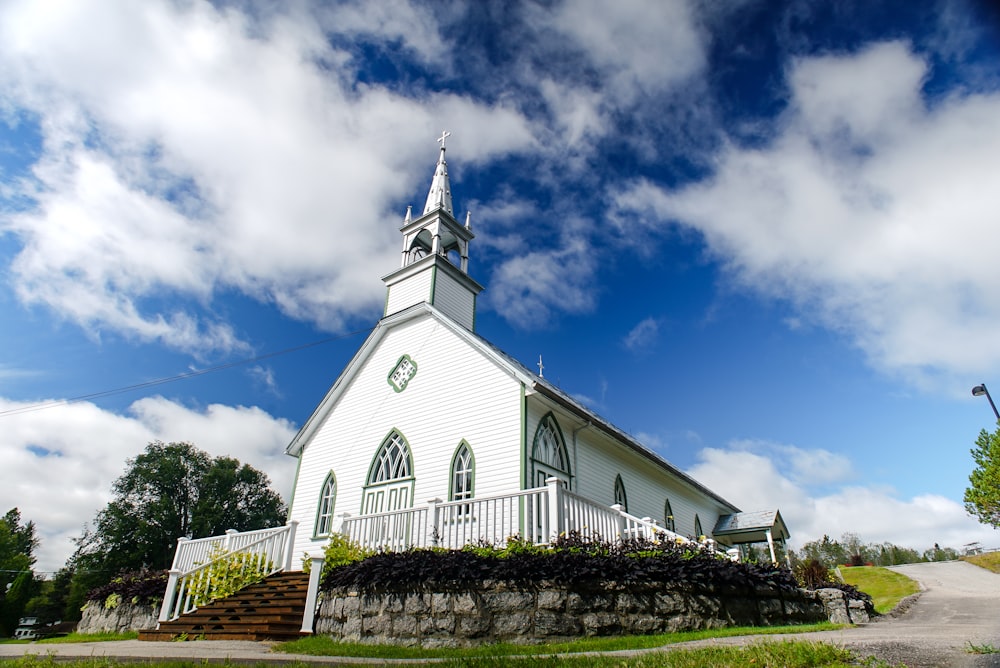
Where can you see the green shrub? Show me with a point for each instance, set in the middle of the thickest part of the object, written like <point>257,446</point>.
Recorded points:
<point>813,574</point>
<point>340,551</point>
<point>227,573</point>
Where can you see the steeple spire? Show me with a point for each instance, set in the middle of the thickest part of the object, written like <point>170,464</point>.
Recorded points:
<point>440,193</point>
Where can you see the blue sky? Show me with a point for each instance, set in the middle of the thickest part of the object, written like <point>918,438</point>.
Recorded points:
<point>760,236</point>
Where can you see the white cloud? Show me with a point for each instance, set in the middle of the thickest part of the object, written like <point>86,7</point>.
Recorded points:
<point>643,335</point>
<point>762,482</point>
<point>872,210</point>
<point>87,448</point>
<point>188,151</point>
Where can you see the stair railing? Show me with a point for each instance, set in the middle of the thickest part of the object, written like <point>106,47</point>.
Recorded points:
<point>256,555</point>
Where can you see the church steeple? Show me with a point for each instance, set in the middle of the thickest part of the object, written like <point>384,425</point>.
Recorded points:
<point>435,259</point>
<point>440,193</point>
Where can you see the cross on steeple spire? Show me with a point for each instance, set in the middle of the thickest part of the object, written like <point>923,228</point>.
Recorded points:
<point>440,193</point>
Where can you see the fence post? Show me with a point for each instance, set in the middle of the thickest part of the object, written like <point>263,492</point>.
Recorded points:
<point>229,538</point>
<point>619,521</point>
<point>315,574</point>
<point>555,510</point>
<point>432,534</point>
<point>290,545</point>
<point>338,524</point>
<point>168,596</point>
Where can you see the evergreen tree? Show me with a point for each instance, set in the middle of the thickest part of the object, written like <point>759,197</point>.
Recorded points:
<point>982,497</point>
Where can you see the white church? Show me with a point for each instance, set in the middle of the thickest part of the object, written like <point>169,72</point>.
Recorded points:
<point>433,436</point>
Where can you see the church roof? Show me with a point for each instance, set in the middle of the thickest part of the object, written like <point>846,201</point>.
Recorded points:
<point>752,527</point>
<point>511,365</point>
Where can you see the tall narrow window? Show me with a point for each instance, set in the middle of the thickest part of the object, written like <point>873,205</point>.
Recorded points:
<point>668,516</point>
<point>462,473</point>
<point>327,500</point>
<point>620,498</point>
<point>549,456</point>
<point>697,527</point>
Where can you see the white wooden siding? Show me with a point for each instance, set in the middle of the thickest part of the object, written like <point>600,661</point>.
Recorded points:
<point>457,393</point>
<point>413,290</point>
<point>454,299</point>
<point>597,459</point>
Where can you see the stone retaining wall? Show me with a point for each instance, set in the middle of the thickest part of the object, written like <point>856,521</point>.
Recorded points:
<point>495,613</point>
<point>123,617</point>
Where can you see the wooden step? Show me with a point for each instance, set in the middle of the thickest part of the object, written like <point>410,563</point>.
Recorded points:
<point>268,610</point>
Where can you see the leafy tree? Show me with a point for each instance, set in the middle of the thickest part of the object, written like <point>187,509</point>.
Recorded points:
<point>169,491</point>
<point>982,497</point>
<point>17,581</point>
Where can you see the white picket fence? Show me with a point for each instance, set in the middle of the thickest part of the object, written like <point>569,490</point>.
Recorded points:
<point>536,515</point>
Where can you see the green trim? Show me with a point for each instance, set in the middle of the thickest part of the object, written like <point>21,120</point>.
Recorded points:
<point>620,488</point>
<point>475,299</point>
<point>697,527</point>
<point>385,308</point>
<point>524,459</point>
<point>668,516</point>
<point>451,470</point>
<point>381,445</point>
<point>434,277</point>
<point>404,380</point>
<point>295,485</point>
<point>319,505</point>
<point>562,444</point>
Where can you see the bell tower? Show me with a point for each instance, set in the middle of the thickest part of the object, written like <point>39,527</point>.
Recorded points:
<point>435,260</point>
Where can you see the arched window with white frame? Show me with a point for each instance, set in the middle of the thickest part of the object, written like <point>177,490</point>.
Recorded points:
<point>549,456</point>
<point>390,477</point>
<point>327,503</point>
<point>463,474</point>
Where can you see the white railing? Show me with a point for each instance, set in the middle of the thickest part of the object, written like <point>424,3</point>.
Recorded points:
<point>260,552</point>
<point>538,515</point>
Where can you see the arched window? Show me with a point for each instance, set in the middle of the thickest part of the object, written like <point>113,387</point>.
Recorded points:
<point>327,501</point>
<point>698,533</point>
<point>668,516</point>
<point>620,497</point>
<point>549,456</point>
<point>462,473</point>
<point>390,478</point>
<point>392,461</point>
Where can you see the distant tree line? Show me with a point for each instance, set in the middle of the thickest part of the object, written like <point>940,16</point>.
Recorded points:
<point>851,551</point>
<point>171,490</point>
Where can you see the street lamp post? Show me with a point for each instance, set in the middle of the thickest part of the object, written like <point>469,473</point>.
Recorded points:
<point>980,390</point>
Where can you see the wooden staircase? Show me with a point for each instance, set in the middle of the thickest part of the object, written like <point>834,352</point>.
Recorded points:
<point>269,610</point>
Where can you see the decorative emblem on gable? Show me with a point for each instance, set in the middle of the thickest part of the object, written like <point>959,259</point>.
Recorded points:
<point>402,373</point>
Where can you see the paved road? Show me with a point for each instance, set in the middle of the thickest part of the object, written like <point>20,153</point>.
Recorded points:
<point>959,608</point>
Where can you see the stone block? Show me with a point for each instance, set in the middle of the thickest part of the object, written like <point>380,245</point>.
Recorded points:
<point>550,623</point>
<point>437,625</point>
<point>440,603</point>
<point>600,624</point>
<point>507,601</point>
<point>463,603</point>
<point>472,626</point>
<point>512,624</point>
<point>393,603</point>
<point>371,605</point>
<point>379,625</point>
<point>404,626</point>
<point>552,600</point>
<point>415,603</point>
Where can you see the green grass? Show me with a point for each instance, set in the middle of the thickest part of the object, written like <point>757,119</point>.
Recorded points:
<point>887,588</point>
<point>76,637</point>
<point>787,654</point>
<point>990,561</point>
<point>325,646</point>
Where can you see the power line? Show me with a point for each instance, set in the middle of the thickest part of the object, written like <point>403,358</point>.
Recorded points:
<point>170,379</point>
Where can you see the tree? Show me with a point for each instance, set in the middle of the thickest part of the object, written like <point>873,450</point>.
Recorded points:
<point>982,497</point>
<point>169,491</point>
<point>17,581</point>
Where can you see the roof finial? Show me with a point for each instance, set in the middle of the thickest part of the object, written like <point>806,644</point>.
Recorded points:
<point>440,193</point>
<point>409,215</point>
<point>468,220</point>
<point>541,368</point>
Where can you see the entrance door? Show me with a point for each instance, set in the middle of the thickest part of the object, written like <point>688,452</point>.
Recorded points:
<point>389,489</point>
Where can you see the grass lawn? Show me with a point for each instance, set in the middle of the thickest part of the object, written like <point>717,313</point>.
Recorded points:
<point>887,588</point>
<point>325,646</point>
<point>990,561</point>
<point>786,654</point>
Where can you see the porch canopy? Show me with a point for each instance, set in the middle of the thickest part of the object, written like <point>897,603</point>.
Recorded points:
<point>760,526</point>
